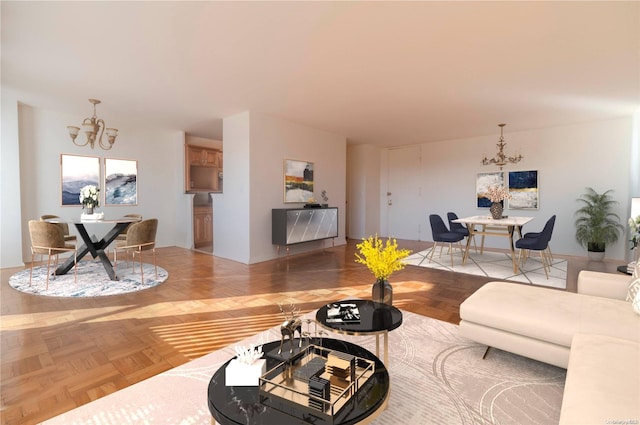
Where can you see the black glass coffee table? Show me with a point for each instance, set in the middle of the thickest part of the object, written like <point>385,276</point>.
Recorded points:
<point>242,406</point>
<point>375,319</point>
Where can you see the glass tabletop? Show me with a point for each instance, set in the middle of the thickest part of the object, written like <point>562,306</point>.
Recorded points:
<point>374,318</point>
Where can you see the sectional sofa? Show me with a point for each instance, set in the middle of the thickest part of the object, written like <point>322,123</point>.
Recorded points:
<point>594,334</point>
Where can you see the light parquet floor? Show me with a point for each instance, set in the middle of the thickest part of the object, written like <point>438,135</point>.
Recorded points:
<point>59,353</point>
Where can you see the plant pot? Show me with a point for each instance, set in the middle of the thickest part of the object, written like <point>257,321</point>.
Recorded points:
<point>89,210</point>
<point>496,209</point>
<point>595,255</point>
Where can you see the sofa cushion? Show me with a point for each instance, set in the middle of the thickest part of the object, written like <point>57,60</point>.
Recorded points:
<point>548,314</point>
<point>633,289</point>
<point>602,384</point>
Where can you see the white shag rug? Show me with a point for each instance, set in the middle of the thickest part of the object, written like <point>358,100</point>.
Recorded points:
<point>93,280</point>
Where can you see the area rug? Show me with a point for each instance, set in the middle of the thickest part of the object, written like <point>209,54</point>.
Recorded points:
<point>437,377</point>
<point>496,265</point>
<point>93,280</point>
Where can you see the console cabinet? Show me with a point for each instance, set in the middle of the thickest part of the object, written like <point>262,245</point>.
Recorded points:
<point>297,225</point>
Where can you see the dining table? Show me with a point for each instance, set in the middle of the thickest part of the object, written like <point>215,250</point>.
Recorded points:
<point>488,226</point>
<point>94,246</point>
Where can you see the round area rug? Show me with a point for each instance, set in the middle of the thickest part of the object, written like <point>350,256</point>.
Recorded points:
<point>93,280</point>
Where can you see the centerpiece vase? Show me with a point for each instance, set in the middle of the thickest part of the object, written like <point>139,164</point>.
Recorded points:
<point>382,292</point>
<point>496,209</point>
<point>89,210</point>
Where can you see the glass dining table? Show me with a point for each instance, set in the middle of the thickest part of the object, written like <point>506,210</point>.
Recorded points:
<point>94,246</point>
<point>493,227</point>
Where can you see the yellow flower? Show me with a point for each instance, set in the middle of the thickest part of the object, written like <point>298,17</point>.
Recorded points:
<point>381,259</point>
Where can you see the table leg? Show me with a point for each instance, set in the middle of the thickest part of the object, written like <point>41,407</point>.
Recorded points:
<point>378,345</point>
<point>471,228</point>
<point>96,248</point>
<point>513,252</point>
<point>386,349</point>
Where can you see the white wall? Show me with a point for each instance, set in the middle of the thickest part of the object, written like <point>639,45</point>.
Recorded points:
<point>43,138</point>
<point>231,207</point>
<point>364,191</point>
<point>256,186</point>
<point>10,206</point>
<point>568,159</point>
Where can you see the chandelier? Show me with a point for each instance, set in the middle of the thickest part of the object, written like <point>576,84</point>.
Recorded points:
<point>501,158</point>
<point>91,126</point>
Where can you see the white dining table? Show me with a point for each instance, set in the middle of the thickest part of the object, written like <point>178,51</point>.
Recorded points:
<point>489,226</point>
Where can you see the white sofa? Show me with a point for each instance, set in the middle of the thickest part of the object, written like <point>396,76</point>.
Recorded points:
<point>594,334</point>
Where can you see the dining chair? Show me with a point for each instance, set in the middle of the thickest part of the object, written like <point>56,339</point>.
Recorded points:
<point>68,237</point>
<point>141,236</point>
<point>123,236</point>
<point>459,228</point>
<point>442,235</point>
<point>48,239</point>
<point>538,243</point>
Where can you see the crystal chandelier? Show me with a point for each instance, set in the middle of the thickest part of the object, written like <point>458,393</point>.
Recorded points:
<point>91,126</point>
<point>501,158</point>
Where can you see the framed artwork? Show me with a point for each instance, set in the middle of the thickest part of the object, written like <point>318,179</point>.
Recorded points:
<point>523,188</point>
<point>298,181</point>
<point>76,172</point>
<point>120,182</point>
<point>483,182</point>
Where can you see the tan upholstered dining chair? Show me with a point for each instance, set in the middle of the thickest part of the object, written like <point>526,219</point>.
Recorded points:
<point>48,239</point>
<point>140,237</point>
<point>68,237</point>
<point>123,236</point>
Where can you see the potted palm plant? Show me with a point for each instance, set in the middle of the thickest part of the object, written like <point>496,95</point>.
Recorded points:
<point>596,223</point>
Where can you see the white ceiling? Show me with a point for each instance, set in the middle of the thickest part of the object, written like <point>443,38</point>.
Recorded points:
<point>386,73</point>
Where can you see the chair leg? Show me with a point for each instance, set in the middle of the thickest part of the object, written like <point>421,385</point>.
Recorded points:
<point>48,269</point>
<point>543,258</point>
<point>433,248</point>
<point>451,252</point>
<point>31,270</point>
<point>154,262</point>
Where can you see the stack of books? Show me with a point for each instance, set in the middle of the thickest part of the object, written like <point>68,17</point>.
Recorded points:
<point>343,313</point>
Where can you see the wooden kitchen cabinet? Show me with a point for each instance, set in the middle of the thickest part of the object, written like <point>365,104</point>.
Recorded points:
<point>203,169</point>
<point>202,226</point>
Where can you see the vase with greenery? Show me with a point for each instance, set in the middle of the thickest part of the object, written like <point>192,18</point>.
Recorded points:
<point>382,259</point>
<point>596,223</point>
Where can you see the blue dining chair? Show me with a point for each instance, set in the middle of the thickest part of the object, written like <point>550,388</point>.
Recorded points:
<point>459,228</point>
<point>539,242</point>
<point>443,235</point>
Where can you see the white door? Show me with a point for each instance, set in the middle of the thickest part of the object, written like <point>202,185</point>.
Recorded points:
<point>403,194</point>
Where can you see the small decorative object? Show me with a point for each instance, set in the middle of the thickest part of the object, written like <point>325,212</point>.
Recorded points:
<point>90,198</point>
<point>325,198</point>
<point>382,260</point>
<point>496,195</point>
<point>290,326</point>
<point>596,222</point>
<point>247,368</point>
<point>501,159</point>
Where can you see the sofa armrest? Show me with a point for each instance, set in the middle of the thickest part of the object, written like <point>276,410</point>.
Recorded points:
<point>607,285</point>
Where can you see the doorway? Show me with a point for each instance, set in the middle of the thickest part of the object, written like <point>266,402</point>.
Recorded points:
<point>403,193</point>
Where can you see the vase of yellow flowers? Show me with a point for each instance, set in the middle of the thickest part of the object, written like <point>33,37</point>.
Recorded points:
<point>497,194</point>
<point>382,259</point>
